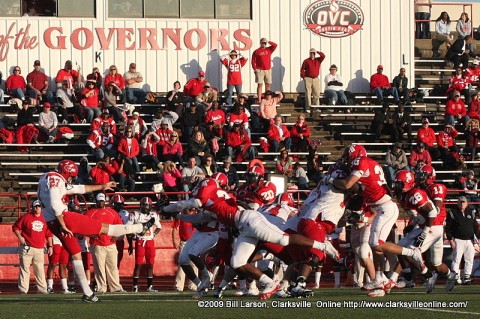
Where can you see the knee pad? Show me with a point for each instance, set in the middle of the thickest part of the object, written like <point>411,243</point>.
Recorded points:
<point>364,251</point>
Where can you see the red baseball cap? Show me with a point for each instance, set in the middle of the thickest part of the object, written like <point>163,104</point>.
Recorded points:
<point>380,67</point>
<point>46,104</point>
<point>201,73</point>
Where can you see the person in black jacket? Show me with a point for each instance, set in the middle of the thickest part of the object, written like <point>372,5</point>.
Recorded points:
<point>402,123</point>
<point>192,119</point>
<point>460,52</point>
<point>461,229</point>
<point>401,83</point>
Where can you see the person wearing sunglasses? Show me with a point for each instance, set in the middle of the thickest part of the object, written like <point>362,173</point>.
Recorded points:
<point>16,85</point>
<point>133,86</point>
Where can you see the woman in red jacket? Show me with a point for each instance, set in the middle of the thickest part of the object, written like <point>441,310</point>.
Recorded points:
<point>300,133</point>
<point>474,108</point>
<point>173,150</point>
<point>16,85</point>
<point>129,147</point>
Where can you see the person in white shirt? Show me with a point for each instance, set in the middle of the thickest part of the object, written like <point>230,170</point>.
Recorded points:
<point>334,87</point>
<point>133,86</point>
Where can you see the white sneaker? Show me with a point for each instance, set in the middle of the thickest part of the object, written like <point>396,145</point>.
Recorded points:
<point>389,285</point>
<point>67,292</point>
<point>373,285</point>
<point>253,291</point>
<point>282,293</point>
<point>241,292</point>
<point>452,277</point>
<point>269,290</point>
<point>404,284</point>
<point>331,251</point>
<point>431,283</point>
<point>376,293</point>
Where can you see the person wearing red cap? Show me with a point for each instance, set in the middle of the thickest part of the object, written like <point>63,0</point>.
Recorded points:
<point>381,87</point>
<point>37,84</point>
<point>262,65</point>
<point>234,63</point>
<point>47,123</point>
<point>194,87</point>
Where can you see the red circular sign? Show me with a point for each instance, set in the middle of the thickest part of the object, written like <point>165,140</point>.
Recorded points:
<point>333,18</point>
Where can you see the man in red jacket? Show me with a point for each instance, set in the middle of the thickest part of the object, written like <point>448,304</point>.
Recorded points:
<point>102,172</point>
<point>239,144</point>
<point>380,86</point>
<point>278,133</point>
<point>455,110</point>
<point>194,86</point>
<point>446,139</point>
<point>262,65</point>
<point>426,135</point>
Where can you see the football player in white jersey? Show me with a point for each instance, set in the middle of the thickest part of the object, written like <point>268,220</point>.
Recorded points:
<point>53,189</point>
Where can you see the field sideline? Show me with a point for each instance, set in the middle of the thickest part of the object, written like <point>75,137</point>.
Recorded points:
<point>327,302</point>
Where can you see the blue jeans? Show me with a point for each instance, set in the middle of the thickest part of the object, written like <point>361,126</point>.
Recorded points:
<point>18,93</point>
<point>135,96</point>
<point>450,119</point>
<point>134,163</point>
<point>380,93</point>
<point>334,96</point>
<point>92,113</point>
<point>276,145</point>
<point>238,89</point>
<point>45,97</point>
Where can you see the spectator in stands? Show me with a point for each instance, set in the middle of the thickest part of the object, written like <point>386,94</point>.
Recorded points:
<point>47,123</point>
<point>215,120</point>
<point>383,123</point>
<point>91,101</point>
<point>191,175</point>
<point>395,160</point>
<point>279,133</point>
<point>268,107</point>
<point>130,148</point>
<point>37,85</point>
<point>175,99</point>
<point>72,78</point>
<point>239,116</point>
<point>65,98</point>
<point>459,82</point>
<point>133,86</point>
<point>138,125</point>
<point>105,117</point>
<point>198,146</point>
<point>164,134</point>
<point>149,151</point>
<point>474,107</point>
<point>16,85</point>
<point>124,174</point>
<point>426,135</point>
<point>446,139</point>
<point>460,52</point>
<point>84,169</point>
<point>163,116</point>
<point>472,137</point>
<point>301,175</point>
<point>300,133</point>
<point>464,26</point>
<point>231,172</point>
<point>309,72</point>
<point>194,87</point>
<point>442,29</point>
<point>32,233</point>
<point>206,98</point>
<point>314,167</point>
<point>334,88</point>
<point>209,167</point>
<point>456,110</point>
<point>192,119</point>
<point>173,150</point>
<point>402,123</point>
<point>419,155</point>
<point>234,63</point>
<point>401,83</point>
<point>102,172</point>
<point>422,12</point>
<point>101,141</point>
<point>26,132</point>
<point>381,87</point>
<point>116,78</point>
<point>262,65</point>
<point>171,179</point>
<point>470,187</point>
<point>239,144</point>
<point>95,75</point>
<point>473,74</point>
<point>25,114</point>
<point>284,165</point>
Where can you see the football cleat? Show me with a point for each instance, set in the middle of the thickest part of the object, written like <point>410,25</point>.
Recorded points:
<point>50,290</point>
<point>373,285</point>
<point>282,293</point>
<point>418,260</point>
<point>331,251</point>
<point>91,299</point>
<point>150,289</point>
<point>300,292</point>
<point>146,226</point>
<point>389,285</point>
<point>269,290</point>
<point>404,284</point>
<point>431,283</point>
<point>467,281</point>
<point>253,291</point>
<point>135,289</point>
<point>219,293</point>
<point>205,282</point>
<point>376,293</point>
<point>67,292</point>
<point>241,292</point>
<point>451,278</point>
<point>199,294</point>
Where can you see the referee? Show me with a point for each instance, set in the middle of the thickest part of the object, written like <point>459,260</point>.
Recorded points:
<point>461,229</point>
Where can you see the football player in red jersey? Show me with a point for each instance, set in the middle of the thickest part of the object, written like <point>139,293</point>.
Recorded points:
<point>52,190</point>
<point>369,174</point>
<point>252,227</point>
<point>256,192</point>
<point>437,192</point>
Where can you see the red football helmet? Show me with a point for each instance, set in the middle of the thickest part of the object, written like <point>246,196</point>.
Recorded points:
<point>117,201</point>
<point>353,151</point>
<point>221,178</point>
<point>404,181</point>
<point>67,168</point>
<point>74,205</point>
<point>254,174</point>
<point>286,199</point>
<point>426,175</point>
<point>146,203</point>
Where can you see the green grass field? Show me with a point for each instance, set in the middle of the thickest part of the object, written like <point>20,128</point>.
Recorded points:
<point>327,303</point>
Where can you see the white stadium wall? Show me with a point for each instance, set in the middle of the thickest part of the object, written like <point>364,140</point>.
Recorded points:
<point>386,37</point>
